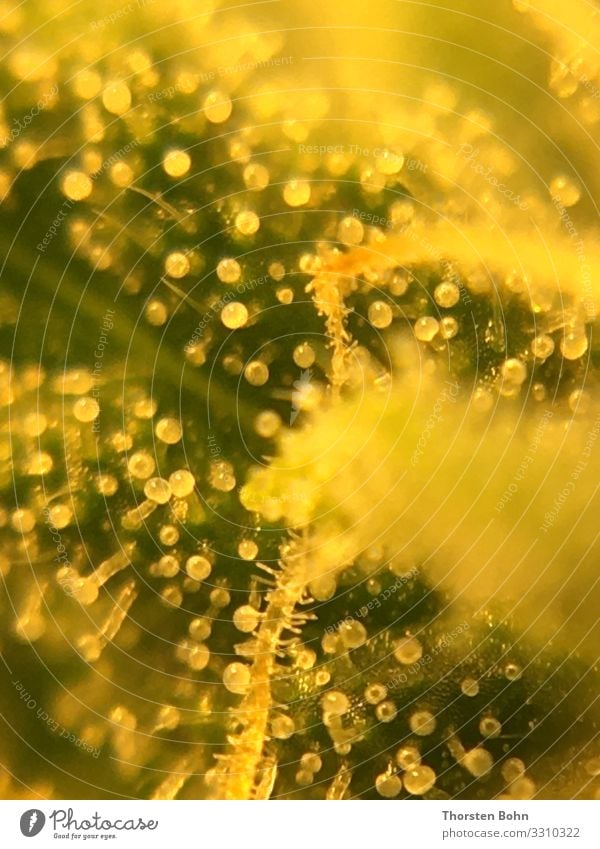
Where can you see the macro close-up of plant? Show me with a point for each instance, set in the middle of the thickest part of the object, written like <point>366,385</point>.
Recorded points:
<point>299,400</point>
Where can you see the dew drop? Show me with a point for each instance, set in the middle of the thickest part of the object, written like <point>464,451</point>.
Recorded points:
<point>422,722</point>
<point>217,107</point>
<point>426,328</point>
<point>380,314</point>
<point>256,177</point>
<point>256,373</point>
<point>198,567</point>
<point>229,270</point>
<point>388,786</point>
<point>236,678</point>
<point>573,345</point>
<point>297,193</point>
<point>168,431</point>
<point>469,687</point>
<point>267,423</point>
<point>246,618</point>
<point>386,711</point>
<point>478,762</point>
<point>86,409</point>
<point>419,780</point>
<point>76,185</point>
<point>248,549</point>
<point>182,483</point>
<point>304,355</point>
<point>157,490</point>
<point>116,98</point>
<point>408,650</point>
<point>176,163</point>
<point>350,231</point>
<point>234,315</point>
<point>408,757</point>
<point>542,347</point>
<point>247,223</point>
<point>282,727</point>
<point>375,693</point>
<point>177,265</point>
<point>446,295</point>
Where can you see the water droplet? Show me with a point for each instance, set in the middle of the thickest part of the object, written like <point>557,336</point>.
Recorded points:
<point>304,355</point>
<point>478,762</point>
<point>408,757</point>
<point>177,265</point>
<point>446,295</point>
<point>297,193</point>
<point>282,727</point>
<point>198,567</point>
<point>246,618</point>
<point>422,722</point>
<point>388,786</point>
<point>380,314</point>
<point>542,347</point>
<point>386,711</point>
<point>419,780</point>
<point>229,270</point>
<point>176,163</point>
<point>86,409</point>
<point>490,727</point>
<point>256,373</point>
<point>247,223</point>
<point>182,483</point>
<point>335,703</point>
<point>350,231</point>
<point>426,328</point>
<point>168,430</point>
<point>389,162</point>
<point>236,678</point>
<point>256,177</point>
<point>217,107</point>
<point>248,549</point>
<point>234,315</point>
<point>76,185</point>
<point>116,98</point>
<point>573,345</point>
<point>375,693</point>
<point>408,650</point>
<point>157,490</point>
<point>469,687</point>
<point>353,634</point>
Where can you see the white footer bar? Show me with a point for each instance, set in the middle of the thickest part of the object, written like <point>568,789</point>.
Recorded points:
<point>301,825</point>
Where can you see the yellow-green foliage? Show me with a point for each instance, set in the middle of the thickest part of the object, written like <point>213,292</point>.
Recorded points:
<point>299,401</point>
